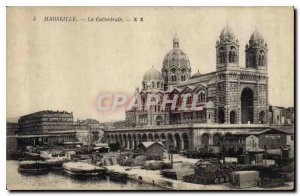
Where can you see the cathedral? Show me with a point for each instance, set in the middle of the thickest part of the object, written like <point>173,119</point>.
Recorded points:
<point>232,100</point>
<point>230,95</point>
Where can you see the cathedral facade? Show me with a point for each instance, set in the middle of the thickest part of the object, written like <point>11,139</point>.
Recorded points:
<point>230,95</point>
<point>230,100</point>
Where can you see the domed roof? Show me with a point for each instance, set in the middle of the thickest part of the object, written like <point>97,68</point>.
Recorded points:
<point>176,65</point>
<point>227,33</point>
<point>152,74</point>
<point>196,74</point>
<point>256,36</point>
<point>176,57</point>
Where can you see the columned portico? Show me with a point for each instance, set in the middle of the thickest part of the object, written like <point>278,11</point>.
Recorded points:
<point>183,137</point>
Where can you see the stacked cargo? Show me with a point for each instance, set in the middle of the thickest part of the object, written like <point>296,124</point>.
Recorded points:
<point>245,179</point>
<point>180,169</point>
<point>169,173</point>
<point>210,171</point>
<point>153,165</point>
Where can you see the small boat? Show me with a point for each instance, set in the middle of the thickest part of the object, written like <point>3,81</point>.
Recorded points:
<point>81,169</point>
<point>33,167</point>
<point>55,163</point>
<point>25,156</point>
<point>117,176</point>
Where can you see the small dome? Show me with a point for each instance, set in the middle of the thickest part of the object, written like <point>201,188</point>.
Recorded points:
<point>152,74</point>
<point>256,36</point>
<point>196,74</point>
<point>153,80</point>
<point>227,33</point>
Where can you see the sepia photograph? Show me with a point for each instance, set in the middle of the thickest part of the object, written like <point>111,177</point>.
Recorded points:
<point>150,98</point>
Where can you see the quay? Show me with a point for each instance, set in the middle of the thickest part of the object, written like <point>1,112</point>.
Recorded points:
<point>153,177</point>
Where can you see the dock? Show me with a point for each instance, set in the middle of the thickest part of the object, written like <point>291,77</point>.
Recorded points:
<point>153,177</point>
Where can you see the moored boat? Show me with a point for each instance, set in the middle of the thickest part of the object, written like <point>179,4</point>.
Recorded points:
<point>25,156</point>
<point>55,163</point>
<point>33,167</point>
<point>117,176</point>
<point>81,169</point>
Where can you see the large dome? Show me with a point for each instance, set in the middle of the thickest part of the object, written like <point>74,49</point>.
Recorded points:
<point>176,57</point>
<point>176,65</point>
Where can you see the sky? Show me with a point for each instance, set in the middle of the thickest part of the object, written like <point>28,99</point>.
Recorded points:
<point>67,65</point>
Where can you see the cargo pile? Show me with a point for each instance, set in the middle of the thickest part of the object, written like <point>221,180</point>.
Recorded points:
<point>169,173</point>
<point>140,160</point>
<point>245,179</point>
<point>154,165</point>
<point>210,171</point>
<point>179,170</point>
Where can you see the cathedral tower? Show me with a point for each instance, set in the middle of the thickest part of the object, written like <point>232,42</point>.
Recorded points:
<point>256,52</point>
<point>227,49</point>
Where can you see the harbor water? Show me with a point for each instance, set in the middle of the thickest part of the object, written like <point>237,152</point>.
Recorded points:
<point>60,181</point>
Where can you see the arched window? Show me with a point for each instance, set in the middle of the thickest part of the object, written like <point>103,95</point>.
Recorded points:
<point>153,84</point>
<point>232,54</point>
<point>158,85</point>
<point>230,57</point>
<point>233,57</point>
<point>232,115</point>
<point>251,60</point>
<point>173,78</point>
<point>261,58</point>
<point>202,97</point>
<point>189,99</point>
<point>221,55</point>
<point>221,116</point>
<point>183,78</point>
<point>262,117</point>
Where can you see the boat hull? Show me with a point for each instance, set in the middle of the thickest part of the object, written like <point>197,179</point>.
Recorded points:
<point>33,171</point>
<point>83,173</point>
<point>83,170</point>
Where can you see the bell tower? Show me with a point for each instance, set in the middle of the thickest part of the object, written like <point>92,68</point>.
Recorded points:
<point>227,49</point>
<point>256,52</point>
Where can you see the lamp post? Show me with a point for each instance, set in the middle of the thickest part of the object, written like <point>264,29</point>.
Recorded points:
<point>171,149</point>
